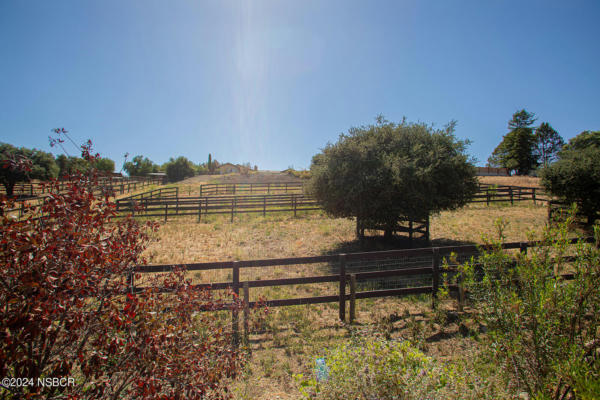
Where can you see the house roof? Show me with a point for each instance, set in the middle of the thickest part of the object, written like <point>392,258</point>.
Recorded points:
<point>229,164</point>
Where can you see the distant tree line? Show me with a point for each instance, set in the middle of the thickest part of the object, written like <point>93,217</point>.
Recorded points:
<point>523,149</point>
<point>176,168</point>
<point>569,171</point>
<point>44,166</point>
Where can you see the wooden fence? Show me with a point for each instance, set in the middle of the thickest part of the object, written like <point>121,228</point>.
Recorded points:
<point>166,193</point>
<point>112,185</point>
<point>214,189</point>
<point>487,193</point>
<point>430,265</point>
<point>213,205</point>
<point>23,206</point>
<point>166,202</point>
<point>502,193</point>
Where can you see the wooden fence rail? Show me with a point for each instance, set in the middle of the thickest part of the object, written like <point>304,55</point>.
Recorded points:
<point>213,189</point>
<point>166,202</point>
<point>493,193</point>
<point>344,275</point>
<point>160,193</point>
<point>487,192</point>
<point>213,205</point>
<point>114,185</point>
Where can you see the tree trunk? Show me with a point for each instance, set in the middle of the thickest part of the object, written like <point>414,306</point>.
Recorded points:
<point>591,218</point>
<point>359,231</point>
<point>10,187</point>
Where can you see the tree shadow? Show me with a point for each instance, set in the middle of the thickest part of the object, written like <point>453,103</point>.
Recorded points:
<point>374,244</point>
<point>442,335</point>
<point>380,243</point>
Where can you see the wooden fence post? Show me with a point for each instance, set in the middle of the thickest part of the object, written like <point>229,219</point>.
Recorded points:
<point>435,276</point>
<point>166,210</point>
<point>235,295</point>
<point>264,206</point>
<point>294,201</point>
<point>232,208</point>
<point>130,281</point>
<point>199,209</point>
<point>246,315</point>
<point>342,261</point>
<point>511,196</point>
<point>352,297</point>
<point>523,247</point>
<point>533,195</point>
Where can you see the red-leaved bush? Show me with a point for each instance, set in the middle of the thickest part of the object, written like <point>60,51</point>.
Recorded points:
<point>66,310</point>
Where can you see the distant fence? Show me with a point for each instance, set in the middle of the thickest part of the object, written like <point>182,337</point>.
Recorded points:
<point>160,193</point>
<point>503,193</point>
<point>213,189</point>
<point>166,207</point>
<point>339,271</point>
<point>166,202</point>
<point>491,171</point>
<point>110,184</point>
<point>22,207</point>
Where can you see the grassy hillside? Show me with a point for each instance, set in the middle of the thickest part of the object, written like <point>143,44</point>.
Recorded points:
<point>290,338</point>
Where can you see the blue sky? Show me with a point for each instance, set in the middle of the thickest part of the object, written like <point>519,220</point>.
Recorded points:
<point>271,82</point>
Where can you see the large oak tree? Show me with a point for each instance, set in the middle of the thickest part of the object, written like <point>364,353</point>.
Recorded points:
<point>384,173</point>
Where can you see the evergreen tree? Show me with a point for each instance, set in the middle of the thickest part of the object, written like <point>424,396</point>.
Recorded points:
<point>548,144</point>
<point>516,151</point>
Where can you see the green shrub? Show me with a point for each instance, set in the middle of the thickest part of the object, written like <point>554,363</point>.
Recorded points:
<point>367,368</point>
<point>575,178</point>
<point>543,329</point>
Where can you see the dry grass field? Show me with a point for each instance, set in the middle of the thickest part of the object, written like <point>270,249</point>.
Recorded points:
<point>275,176</point>
<point>255,237</point>
<point>524,181</point>
<point>290,338</point>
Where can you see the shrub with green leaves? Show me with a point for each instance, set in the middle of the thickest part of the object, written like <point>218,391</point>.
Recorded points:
<point>540,308</point>
<point>575,177</point>
<point>375,368</point>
